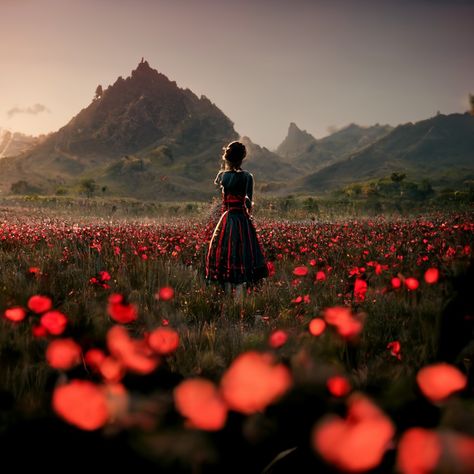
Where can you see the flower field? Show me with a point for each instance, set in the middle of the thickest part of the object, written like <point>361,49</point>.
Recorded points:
<point>355,355</point>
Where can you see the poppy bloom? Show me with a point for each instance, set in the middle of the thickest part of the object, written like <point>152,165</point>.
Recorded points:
<point>165,294</point>
<point>121,312</point>
<point>419,451</point>
<point>317,326</point>
<point>277,338</point>
<point>253,381</point>
<point>54,322</point>
<point>360,289</point>
<point>300,271</point>
<point>39,304</point>
<point>82,404</point>
<point>134,355</point>
<point>395,348</point>
<point>412,283</point>
<point>438,381</point>
<point>15,314</point>
<point>396,282</point>
<point>357,443</point>
<point>63,354</point>
<point>338,386</point>
<point>200,402</point>
<point>163,340</point>
<point>431,275</point>
<point>342,319</point>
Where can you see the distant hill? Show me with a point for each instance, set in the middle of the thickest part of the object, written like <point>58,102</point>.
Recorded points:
<point>15,143</point>
<point>440,149</point>
<point>308,154</point>
<point>142,136</point>
<point>147,138</point>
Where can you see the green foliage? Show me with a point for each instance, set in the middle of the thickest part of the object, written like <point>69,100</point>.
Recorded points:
<point>88,186</point>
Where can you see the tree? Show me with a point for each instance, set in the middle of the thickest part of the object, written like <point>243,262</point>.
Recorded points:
<point>88,186</point>
<point>23,187</point>
<point>98,92</point>
<point>398,177</point>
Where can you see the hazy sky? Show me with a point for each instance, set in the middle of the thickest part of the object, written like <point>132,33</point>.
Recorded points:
<point>264,63</point>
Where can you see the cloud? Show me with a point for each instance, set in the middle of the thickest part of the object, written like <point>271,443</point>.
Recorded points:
<point>31,110</point>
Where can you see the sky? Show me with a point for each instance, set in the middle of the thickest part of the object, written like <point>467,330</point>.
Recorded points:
<point>322,64</point>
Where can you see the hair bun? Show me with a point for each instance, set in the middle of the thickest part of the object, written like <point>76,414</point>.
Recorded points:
<point>235,152</point>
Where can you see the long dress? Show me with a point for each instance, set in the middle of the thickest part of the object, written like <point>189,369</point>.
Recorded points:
<point>235,254</point>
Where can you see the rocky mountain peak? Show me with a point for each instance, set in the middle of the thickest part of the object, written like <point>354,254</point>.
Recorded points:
<point>296,142</point>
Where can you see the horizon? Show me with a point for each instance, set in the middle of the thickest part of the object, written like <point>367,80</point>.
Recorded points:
<point>323,65</point>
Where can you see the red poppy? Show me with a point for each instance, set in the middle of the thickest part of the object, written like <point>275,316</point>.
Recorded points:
<point>271,269</point>
<point>320,276</point>
<point>134,355</point>
<point>111,369</point>
<point>360,289</point>
<point>121,312</point>
<point>82,404</point>
<point>200,402</point>
<point>54,322</point>
<point>438,381</point>
<point>278,338</point>
<point>163,340</point>
<point>15,314</point>
<point>317,326</point>
<point>412,283</point>
<point>39,304</point>
<point>342,319</point>
<point>300,271</point>
<point>357,443</point>
<point>165,294</point>
<point>431,275</point>
<point>253,381</point>
<point>419,451</point>
<point>395,348</point>
<point>396,282</point>
<point>338,386</point>
<point>63,354</point>
<point>94,358</point>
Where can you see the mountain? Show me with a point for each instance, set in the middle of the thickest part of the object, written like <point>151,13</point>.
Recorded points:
<point>142,136</point>
<point>309,154</point>
<point>440,149</point>
<point>15,143</point>
<point>297,142</point>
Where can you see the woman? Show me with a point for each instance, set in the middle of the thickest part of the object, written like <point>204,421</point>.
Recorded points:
<point>235,255</point>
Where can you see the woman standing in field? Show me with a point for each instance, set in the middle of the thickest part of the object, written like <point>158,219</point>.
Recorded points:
<point>235,256</point>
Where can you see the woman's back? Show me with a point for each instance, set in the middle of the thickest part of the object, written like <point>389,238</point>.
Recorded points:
<point>238,183</point>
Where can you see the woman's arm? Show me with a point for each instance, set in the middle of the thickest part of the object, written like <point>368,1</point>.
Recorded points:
<point>249,192</point>
<point>218,180</point>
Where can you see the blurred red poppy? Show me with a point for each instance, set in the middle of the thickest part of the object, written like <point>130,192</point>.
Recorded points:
<point>277,338</point>
<point>165,294</point>
<point>54,322</point>
<point>412,283</point>
<point>317,326</point>
<point>431,275</point>
<point>82,404</point>
<point>163,340</point>
<point>200,402</point>
<point>63,354</point>
<point>253,381</point>
<point>357,443</point>
<point>338,386</point>
<point>419,451</point>
<point>121,312</point>
<point>15,314</point>
<point>300,271</point>
<point>438,381</point>
<point>39,304</point>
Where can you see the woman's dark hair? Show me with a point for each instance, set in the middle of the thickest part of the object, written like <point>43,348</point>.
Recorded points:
<point>234,154</point>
